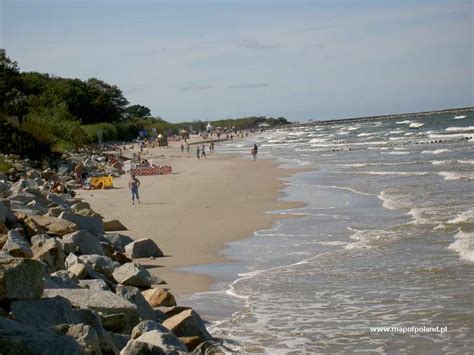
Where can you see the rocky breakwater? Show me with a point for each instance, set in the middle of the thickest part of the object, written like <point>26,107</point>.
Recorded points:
<point>67,286</point>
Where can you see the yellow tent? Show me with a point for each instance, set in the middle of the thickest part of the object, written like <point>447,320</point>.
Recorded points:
<point>101,182</point>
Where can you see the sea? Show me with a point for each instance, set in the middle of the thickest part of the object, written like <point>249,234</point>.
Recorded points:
<point>379,260</point>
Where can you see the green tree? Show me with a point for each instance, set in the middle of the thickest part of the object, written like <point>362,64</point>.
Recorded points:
<point>138,111</point>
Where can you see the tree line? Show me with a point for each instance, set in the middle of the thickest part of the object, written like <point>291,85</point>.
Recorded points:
<point>63,113</point>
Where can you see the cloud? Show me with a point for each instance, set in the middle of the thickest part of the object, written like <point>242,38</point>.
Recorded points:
<point>248,86</point>
<point>254,44</point>
<point>196,87</point>
<point>134,91</point>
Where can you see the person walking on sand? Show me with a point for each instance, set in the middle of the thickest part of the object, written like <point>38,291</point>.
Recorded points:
<point>182,148</point>
<point>203,152</point>
<point>198,153</point>
<point>254,152</point>
<point>134,184</point>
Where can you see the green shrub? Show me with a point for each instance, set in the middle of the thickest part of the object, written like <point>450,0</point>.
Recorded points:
<point>107,131</point>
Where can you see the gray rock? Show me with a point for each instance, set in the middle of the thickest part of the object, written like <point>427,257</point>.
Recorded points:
<point>118,241</point>
<point>62,279</point>
<point>133,295</point>
<point>40,238</point>
<point>80,206</point>
<point>50,252</point>
<point>86,337</point>
<point>50,225</point>
<point>17,338</point>
<point>143,248</point>
<point>155,342</point>
<point>21,279</point>
<point>213,347</point>
<point>100,263</point>
<point>187,323</point>
<point>81,242</point>
<point>120,340</point>
<point>55,211</point>
<point>94,225</point>
<point>117,322</point>
<point>57,200</point>
<point>96,284</point>
<point>17,245</point>
<point>114,226</point>
<point>80,271</point>
<point>100,301</point>
<point>6,215</point>
<point>146,326</point>
<point>132,274</point>
<point>22,197</point>
<point>36,206</point>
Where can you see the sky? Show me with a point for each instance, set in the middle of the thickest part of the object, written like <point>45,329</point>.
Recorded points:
<point>204,60</point>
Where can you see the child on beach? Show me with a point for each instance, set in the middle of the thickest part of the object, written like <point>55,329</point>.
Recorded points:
<point>254,152</point>
<point>134,184</point>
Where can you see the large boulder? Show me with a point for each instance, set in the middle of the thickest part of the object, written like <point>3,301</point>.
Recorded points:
<point>17,338</point>
<point>61,279</point>
<point>50,225</point>
<point>114,226</point>
<point>146,326</point>
<point>86,337</point>
<point>187,323</point>
<point>37,207</point>
<point>133,295</point>
<point>80,206</point>
<point>57,200</point>
<point>81,242</point>
<point>95,284</point>
<point>94,225</point>
<point>143,248</point>
<point>6,215</point>
<point>50,252</point>
<point>100,301</point>
<point>17,245</point>
<point>20,278</point>
<point>155,342</point>
<point>118,241</point>
<point>132,274</point>
<point>157,297</point>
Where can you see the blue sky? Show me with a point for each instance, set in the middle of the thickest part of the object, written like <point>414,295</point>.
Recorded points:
<point>303,60</point>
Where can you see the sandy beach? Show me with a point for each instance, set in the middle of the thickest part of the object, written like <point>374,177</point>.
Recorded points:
<point>192,213</point>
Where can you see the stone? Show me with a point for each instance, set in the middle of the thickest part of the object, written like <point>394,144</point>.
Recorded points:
<point>187,323</point>
<point>80,206</point>
<point>22,197</point>
<point>49,252</point>
<point>57,200</point>
<point>62,279</point>
<point>104,302</point>
<point>55,211</point>
<point>116,322</point>
<point>100,263</point>
<point>51,225</point>
<point>94,225</point>
<point>17,245</point>
<point>96,284</point>
<point>146,326</point>
<point>17,338</point>
<point>86,337</point>
<point>171,311</point>
<point>36,206</point>
<point>191,342</point>
<point>155,342</point>
<point>21,279</point>
<point>158,297</point>
<point>133,295</point>
<point>81,242</point>
<point>44,312</point>
<point>80,271</point>
<point>6,215</point>
<point>120,340</point>
<point>142,248</point>
<point>114,226</point>
<point>212,347</point>
<point>132,274</point>
<point>118,241</point>
<point>120,257</point>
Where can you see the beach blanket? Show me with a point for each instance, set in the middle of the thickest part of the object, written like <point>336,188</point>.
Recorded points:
<point>151,170</point>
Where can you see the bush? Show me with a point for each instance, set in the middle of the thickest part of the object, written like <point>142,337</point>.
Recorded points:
<point>107,131</point>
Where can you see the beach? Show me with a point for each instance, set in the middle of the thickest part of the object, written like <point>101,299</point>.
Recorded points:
<point>192,213</point>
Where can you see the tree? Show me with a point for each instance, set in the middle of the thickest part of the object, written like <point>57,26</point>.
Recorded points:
<point>12,100</point>
<point>138,111</point>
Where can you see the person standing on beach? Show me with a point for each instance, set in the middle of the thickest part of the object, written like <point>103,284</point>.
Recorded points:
<point>134,184</point>
<point>182,148</point>
<point>254,152</point>
<point>203,152</point>
<point>198,153</point>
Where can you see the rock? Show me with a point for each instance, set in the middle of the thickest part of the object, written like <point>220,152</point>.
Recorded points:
<point>81,242</point>
<point>80,206</point>
<point>100,301</point>
<point>94,225</point>
<point>120,257</point>
<point>133,295</point>
<point>146,326</point>
<point>132,274</point>
<point>50,225</point>
<point>155,342</point>
<point>116,322</point>
<point>62,279</point>
<point>55,211</point>
<point>191,342</point>
<point>6,215</point>
<point>49,252</point>
<point>157,297</point>
<point>49,174</point>
<point>120,340</point>
<point>57,200</point>
<point>17,338</point>
<point>80,271</point>
<point>22,197</point>
<point>114,226</point>
<point>187,323</point>
<point>40,238</point>
<point>118,241</point>
<point>21,279</point>
<point>45,312</point>
<point>100,263</point>
<point>86,337</point>
<point>171,311</point>
<point>36,206</point>
<point>17,245</point>
<point>212,347</point>
<point>142,248</point>
<point>96,284</point>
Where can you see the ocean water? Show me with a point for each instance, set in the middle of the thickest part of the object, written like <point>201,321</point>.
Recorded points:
<point>386,239</point>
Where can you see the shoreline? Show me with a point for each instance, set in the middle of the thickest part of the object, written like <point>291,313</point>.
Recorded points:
<point>203,205</point>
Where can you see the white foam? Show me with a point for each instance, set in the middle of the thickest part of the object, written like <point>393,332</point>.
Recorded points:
<point>460,117</point>
<point>439,162</point>
<point>464,217</point>
<point>437,151</point>
<point>367,239</point>
<point>416,125</point>
<point>464,245</point>
<point>450,175</point>
<point>404,173</point>
<point>402,122</point>
<point>333,244</point>
<point>390,202</point>
<point>460,129</point>
<point>365,134</point>
<point>471,162</point>
<point>399,153</point>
